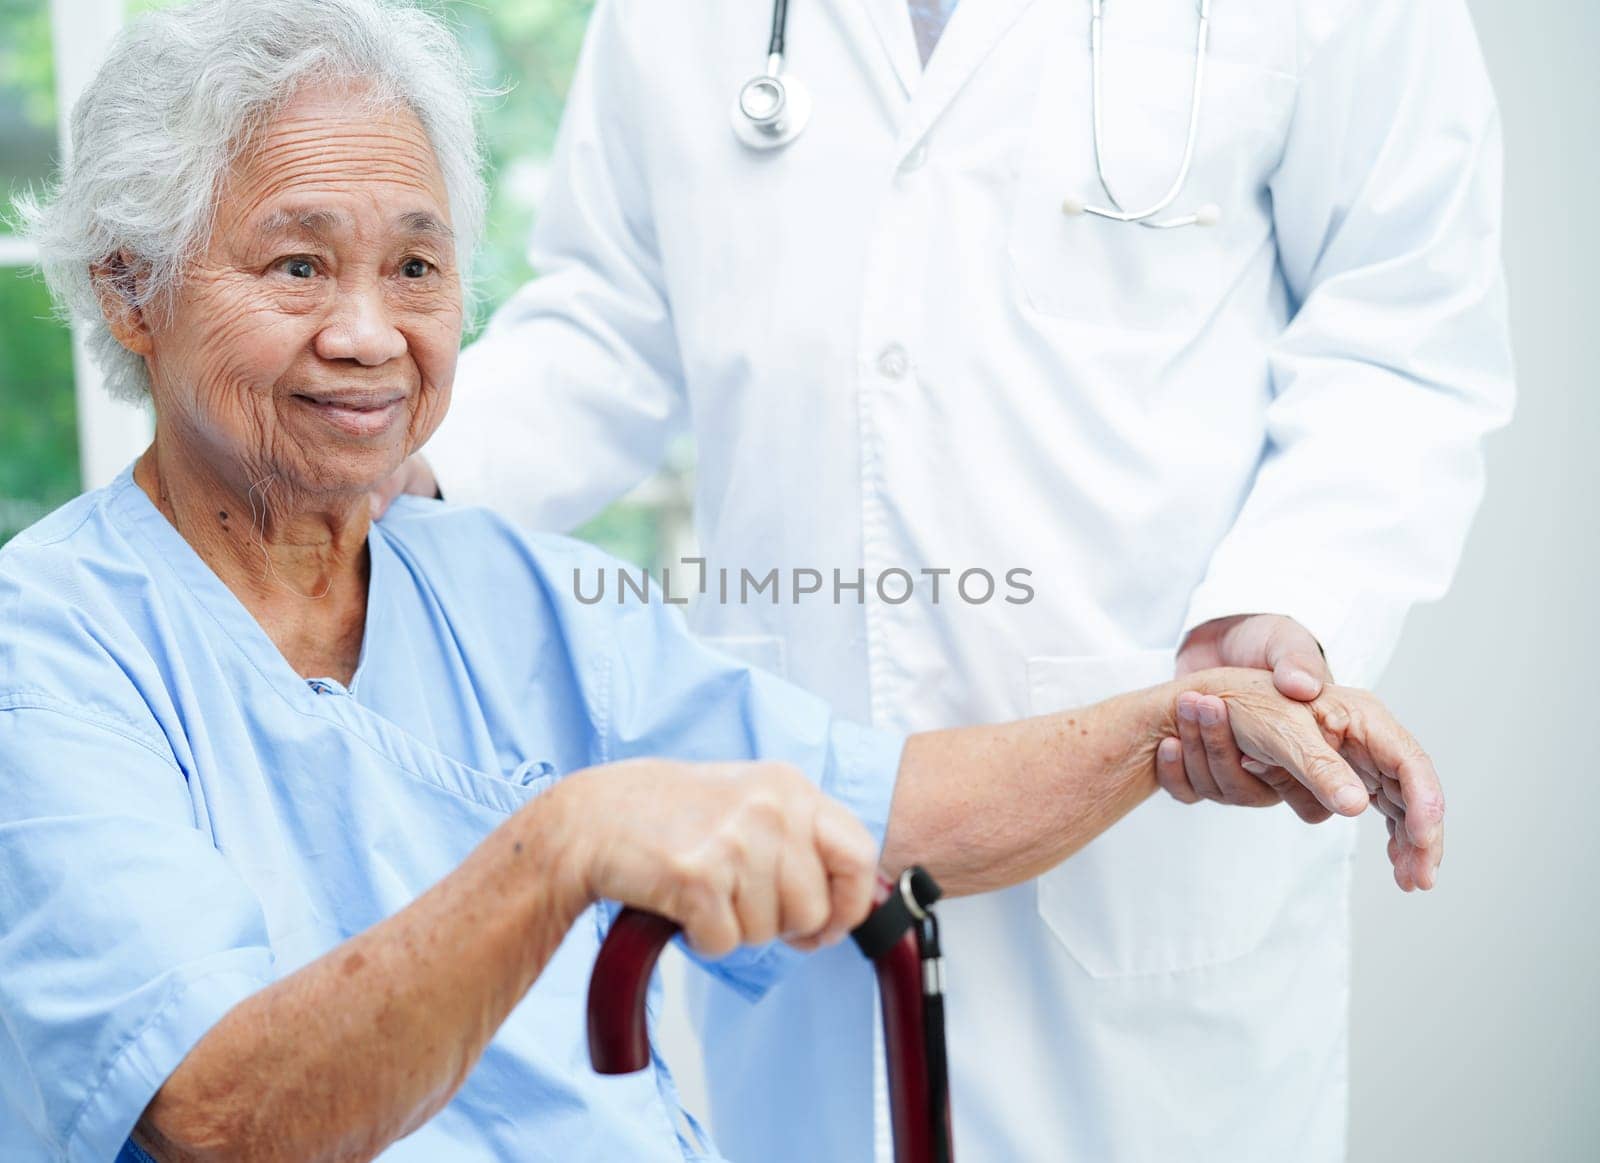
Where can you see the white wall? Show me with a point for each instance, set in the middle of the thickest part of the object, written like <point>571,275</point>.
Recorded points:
<point>1477,1009</point>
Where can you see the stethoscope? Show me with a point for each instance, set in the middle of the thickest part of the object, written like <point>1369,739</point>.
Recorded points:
<point>1207,215</point>
<point>772,109</point>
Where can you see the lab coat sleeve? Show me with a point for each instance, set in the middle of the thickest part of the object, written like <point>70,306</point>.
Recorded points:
<point>1396,361</point>
<point>575,390</point>
<point>667,694</point>
<point>124,934</point>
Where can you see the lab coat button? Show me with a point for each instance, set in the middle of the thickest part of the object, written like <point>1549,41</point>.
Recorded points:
<point>914,159</point>
<point>893,362</point>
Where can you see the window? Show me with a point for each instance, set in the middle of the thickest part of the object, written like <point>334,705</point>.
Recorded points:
<point>60,432</point>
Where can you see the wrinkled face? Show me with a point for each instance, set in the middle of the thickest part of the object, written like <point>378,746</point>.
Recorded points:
<point>314,342</point>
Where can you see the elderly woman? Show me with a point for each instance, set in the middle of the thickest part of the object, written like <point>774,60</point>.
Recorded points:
<point>307,821</point>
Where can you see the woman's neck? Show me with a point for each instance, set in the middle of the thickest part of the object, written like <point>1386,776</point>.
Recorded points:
<point>299,566</point>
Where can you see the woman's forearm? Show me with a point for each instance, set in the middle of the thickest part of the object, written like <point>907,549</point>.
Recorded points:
<point>986,807</point>
<point>363,1045</point>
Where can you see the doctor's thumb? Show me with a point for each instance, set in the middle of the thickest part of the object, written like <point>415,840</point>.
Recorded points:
<point>1295,658</point>
<point>1298,675</point>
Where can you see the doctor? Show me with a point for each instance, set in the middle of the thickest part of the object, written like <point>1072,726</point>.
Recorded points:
<point>916,337</point>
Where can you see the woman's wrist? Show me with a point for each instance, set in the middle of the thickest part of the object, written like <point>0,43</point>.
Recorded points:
<point>1117,737</point>
<point>549,844</point>
<point>1153,712</point>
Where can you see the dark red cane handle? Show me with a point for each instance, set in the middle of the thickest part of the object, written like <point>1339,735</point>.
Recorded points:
<point>619,1038</point>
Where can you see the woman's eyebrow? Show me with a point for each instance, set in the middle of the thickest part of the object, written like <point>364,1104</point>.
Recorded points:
<point>318,224</point>
<point>424,223</point>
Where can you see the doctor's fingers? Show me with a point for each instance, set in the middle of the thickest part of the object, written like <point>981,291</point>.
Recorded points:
<point>1211,756</point>
<point>1238,787</point>
<point>1170,772</point>
<point>1195,764</point>
<point>1299,672</point>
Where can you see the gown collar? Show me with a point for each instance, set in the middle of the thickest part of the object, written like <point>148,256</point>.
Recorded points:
<point>137,512</point>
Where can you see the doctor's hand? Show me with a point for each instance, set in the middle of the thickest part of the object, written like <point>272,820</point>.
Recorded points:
<point>1346,750</point>
<point>414,476</point>
<point>736,853</point>
<point>1202,761</point>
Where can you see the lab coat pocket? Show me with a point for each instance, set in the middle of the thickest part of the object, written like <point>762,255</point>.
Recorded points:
<point>1082,268</point>
<point>1171,887</point>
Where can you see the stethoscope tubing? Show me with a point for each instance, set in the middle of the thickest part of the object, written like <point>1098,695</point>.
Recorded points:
<point>790,106</point>
<point>1115,211</point>
<point>780,28</point>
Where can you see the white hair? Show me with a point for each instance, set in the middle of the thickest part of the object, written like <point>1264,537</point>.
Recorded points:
<point>181,95</point>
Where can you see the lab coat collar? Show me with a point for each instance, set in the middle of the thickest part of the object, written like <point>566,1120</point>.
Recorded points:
<point>975,28</point>
<point>891,20</point>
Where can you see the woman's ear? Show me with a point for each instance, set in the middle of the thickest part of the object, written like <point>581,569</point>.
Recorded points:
<point>116,284</point>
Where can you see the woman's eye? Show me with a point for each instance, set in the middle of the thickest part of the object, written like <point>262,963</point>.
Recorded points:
<point>298,268</point>
<point>415,268</point>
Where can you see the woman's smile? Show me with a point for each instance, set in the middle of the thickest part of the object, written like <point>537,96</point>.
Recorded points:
<point>359,413</point>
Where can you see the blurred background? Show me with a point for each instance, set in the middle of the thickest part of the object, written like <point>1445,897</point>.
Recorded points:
<point>1476,1009</point>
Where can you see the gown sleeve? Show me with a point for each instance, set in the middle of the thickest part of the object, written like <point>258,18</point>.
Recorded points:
<point>124,933</point>
<point>662,692</point>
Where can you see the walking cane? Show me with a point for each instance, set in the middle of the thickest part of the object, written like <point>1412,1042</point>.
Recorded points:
<point>901,939</point>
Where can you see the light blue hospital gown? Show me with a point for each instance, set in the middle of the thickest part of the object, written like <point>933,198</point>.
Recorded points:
<point>184,819</point>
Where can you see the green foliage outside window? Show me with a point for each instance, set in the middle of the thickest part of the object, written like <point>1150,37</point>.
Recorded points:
<point>38,434</point>
<point>38,431</point>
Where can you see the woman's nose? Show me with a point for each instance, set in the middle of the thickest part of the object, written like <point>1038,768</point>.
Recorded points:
<point>361,329</point>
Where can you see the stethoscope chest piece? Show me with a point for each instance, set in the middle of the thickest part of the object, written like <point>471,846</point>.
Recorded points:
<point>770,111</point>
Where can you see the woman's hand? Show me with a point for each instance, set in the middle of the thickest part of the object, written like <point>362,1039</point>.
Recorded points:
<point>1335,754</point>
<point>1204,752</point>
<point>736,853</point>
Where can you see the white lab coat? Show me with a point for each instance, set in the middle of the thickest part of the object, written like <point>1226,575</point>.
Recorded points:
<point>894,350</point>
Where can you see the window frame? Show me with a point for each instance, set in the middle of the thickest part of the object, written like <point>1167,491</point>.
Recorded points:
<point>110,432</point>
